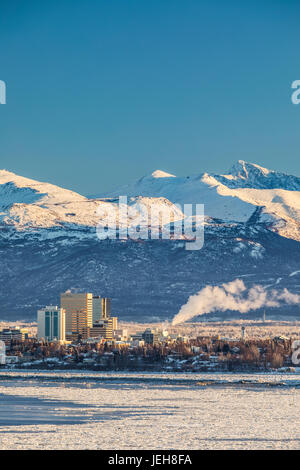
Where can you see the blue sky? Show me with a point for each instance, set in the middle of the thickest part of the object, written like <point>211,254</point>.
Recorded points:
<point>100,93</point>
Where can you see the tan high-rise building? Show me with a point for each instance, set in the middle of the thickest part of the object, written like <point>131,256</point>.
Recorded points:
<point>79,313</point>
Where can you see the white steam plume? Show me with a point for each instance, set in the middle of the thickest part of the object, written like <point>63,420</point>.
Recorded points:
<point>232,296</point>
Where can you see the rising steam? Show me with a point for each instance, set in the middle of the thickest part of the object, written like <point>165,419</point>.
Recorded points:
<point>232,296</point>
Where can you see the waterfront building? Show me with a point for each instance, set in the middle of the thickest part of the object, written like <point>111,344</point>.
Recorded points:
<point>103,328</point>
<point>120,333</point>
<point>97,308</point>
<point>106,307</point>
<point>101,308</point>
<point>9,334</point>
<point>51,323</point>
<point>150,336</point>
<point>79,313</point>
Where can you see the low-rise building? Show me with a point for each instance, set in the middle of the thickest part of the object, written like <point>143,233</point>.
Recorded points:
<point>137,343</point>
<point>150,336</point>
<point>120,334</point>
<point>103,328</point>
<point>9,334</point>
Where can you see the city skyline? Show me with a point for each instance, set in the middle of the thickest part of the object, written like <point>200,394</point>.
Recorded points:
<point>149,228</point>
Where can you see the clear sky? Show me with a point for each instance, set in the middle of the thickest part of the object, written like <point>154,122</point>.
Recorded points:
<point>102,92</point>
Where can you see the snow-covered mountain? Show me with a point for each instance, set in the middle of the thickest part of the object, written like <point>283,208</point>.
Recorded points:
<point>241,175</point>
<point>250,175</point>
<point>247,190</point>
<point>48,240</point>
<point>27,204</point>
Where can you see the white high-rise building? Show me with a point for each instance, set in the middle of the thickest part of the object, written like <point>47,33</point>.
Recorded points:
<point>51,323</point>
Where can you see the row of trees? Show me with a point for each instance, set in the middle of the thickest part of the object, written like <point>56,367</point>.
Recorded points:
<point>264,353</point>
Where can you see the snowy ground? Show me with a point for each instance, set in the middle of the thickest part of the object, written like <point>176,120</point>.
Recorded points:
<point>255,329</point>
<point>59,410</point>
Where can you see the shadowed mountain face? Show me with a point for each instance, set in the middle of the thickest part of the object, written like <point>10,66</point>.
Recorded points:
<point>249,175</point>
<point>147,280</point>
<point>48,243</point>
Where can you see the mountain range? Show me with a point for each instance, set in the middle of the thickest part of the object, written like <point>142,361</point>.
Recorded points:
<point>48,241</point>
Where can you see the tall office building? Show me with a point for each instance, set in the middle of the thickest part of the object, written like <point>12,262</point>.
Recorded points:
<point>79,313</point>
<point>106,307</point>
<point>97,309</point>
<point>51,323</point>
<point>101,308</point>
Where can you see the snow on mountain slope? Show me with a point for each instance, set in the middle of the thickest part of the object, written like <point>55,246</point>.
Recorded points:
<point>276,193</point>
<point>190,190</point>
<point>26,204</point>
<point>162,174</point>
<point>232,197</point>
<point>48,241</point>
<point>248,193</point>
<point>250,175</point>
<point>44,192</point>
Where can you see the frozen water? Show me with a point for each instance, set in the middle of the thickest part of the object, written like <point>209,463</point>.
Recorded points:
<point>76,410</point>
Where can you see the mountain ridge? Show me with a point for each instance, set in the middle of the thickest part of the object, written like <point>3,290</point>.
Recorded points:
<point>48,242</point>
<point>30,205</point>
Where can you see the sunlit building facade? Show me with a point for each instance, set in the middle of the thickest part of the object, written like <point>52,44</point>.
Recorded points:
<point>79,313</point>
<point>51,323</point>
